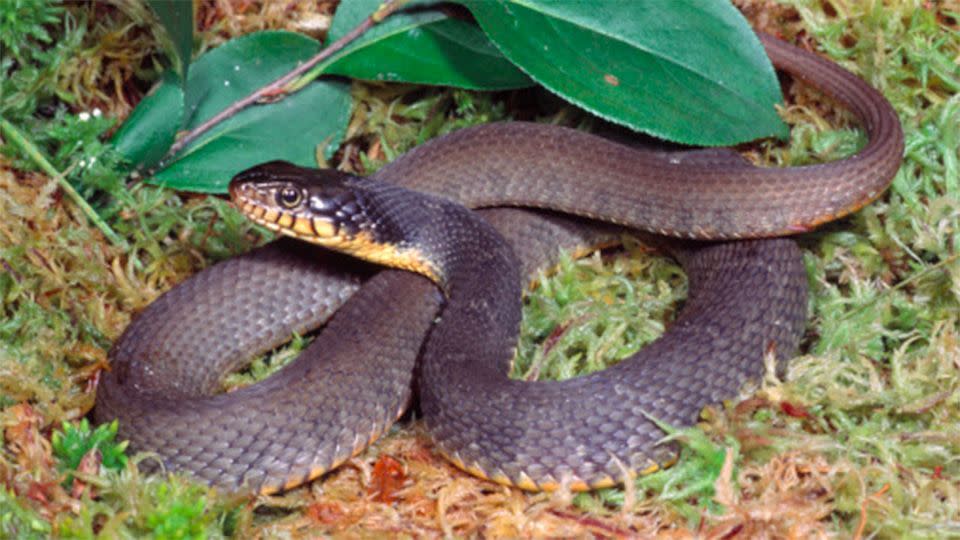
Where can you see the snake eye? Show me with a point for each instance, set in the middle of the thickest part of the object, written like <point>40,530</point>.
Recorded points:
<point>289,197</point>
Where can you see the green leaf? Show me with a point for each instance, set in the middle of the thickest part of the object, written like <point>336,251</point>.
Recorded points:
<point>421,46</point>
<point>289,129</point>
<point>176,16</point>
<point>148,132</point>
<point>690,71</point>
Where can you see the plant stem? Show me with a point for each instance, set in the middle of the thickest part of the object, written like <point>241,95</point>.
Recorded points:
<point>277,87</point>
<point>10,131</point>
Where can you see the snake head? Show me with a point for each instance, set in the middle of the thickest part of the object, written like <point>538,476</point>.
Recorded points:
<point>329,208</point>
<point>318,203</point>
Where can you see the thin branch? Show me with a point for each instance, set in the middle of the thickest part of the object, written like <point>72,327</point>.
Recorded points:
<point>278,86</point>
<point>34,153</point>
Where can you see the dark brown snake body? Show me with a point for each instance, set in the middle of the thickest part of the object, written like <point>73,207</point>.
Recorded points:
<point>351,383</point>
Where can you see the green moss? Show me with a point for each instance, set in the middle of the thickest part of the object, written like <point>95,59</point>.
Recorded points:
<point>31,54</point>
<point>17,521</point>
<point>593,312</point>
<point>73,442</point>
<point>171,508</point>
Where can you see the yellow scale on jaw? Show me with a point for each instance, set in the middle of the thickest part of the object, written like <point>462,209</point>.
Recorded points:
<point>361,245</point>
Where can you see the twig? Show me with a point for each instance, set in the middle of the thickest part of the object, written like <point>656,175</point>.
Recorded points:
<point>862,525</point>
<point>277,86</point>
<point>34,153</point>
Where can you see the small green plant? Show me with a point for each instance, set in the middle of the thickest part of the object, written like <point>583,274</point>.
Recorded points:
<point>22,24</point>
<point>179,515</point>
<point>75,145</point>
<point>74,442</point>
<point>29,55</point>
<point>689,486</point>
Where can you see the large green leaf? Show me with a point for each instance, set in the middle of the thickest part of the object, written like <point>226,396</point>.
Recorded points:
<point>289,129</point>
<point>690,71</point>
<point>148,132</point>
<point>176,16</point>
<point>420,45</point>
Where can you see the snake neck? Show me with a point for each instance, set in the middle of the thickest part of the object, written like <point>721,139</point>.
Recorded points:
<point>460,251</point>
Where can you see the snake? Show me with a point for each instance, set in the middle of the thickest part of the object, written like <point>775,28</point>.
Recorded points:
<point>439,326</point>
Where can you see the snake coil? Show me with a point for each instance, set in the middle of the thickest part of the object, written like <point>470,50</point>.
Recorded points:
<point>745,297</point>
